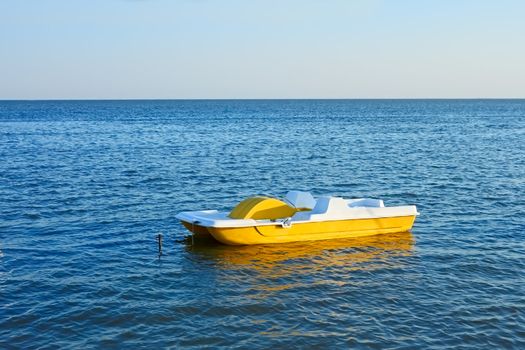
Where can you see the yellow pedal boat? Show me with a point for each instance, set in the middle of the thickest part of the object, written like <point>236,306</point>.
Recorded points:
<point>299,217</point>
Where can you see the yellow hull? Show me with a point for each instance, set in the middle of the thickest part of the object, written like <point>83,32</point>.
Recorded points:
<point>309,231</point>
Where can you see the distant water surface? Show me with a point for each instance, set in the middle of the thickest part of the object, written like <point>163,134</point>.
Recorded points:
<point>86,185</point>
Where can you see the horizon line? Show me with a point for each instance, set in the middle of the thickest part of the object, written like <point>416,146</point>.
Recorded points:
<point>262,99</point>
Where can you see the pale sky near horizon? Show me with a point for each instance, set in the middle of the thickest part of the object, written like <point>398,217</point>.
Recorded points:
<point>63,49</point>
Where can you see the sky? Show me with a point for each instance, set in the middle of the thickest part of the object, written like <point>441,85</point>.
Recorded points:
<point>164,49</point>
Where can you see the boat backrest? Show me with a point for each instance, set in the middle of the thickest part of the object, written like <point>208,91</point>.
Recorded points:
<point>300,200</point>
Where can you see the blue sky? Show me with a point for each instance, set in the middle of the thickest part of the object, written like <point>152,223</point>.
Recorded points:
<point>261,49</point>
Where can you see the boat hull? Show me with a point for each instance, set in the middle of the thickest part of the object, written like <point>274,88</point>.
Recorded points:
<point>308,231</point>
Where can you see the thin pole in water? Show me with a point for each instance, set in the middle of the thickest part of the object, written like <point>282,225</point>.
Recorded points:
<point>159,241</point>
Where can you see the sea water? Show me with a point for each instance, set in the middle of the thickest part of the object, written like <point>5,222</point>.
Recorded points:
<point>86,186</point>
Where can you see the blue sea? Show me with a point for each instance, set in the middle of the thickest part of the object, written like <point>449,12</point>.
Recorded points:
<point>86,186</point>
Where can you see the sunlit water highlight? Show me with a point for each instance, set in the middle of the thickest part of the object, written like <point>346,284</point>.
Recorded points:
<point>86,186</point>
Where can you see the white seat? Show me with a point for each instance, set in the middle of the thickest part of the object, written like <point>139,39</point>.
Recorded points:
<point>300,200</point>
<point>330,205</point>
<point>324,207</point>
<point>365,202</point>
